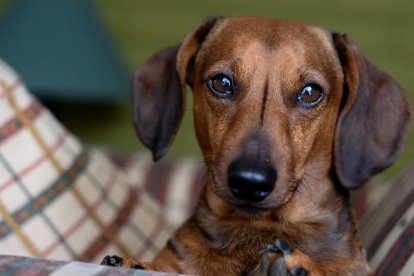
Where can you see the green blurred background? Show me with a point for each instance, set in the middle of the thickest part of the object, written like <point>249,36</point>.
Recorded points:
<point>384,30</point>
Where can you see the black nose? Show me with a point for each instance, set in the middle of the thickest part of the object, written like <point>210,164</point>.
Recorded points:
<point>251,181</point>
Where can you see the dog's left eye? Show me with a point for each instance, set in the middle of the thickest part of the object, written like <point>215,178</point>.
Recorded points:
<point>221,85</point>
<point>310,95</point>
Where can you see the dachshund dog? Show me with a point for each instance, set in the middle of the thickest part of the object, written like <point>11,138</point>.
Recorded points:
<point>289,118</point>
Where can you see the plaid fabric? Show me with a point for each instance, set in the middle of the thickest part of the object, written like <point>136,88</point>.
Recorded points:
<point>61,200</point>
<point>175,183</point>
<point>387,231</point>
<point>20,266</point>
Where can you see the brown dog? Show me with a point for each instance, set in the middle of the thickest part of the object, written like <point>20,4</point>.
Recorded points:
<point>289,117</point>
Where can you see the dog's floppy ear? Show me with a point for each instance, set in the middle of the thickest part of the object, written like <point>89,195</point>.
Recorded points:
<point>374,119</point>
<point>158,91</point>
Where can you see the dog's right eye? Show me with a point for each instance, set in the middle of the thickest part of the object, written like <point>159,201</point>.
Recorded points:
<point>221,85</point>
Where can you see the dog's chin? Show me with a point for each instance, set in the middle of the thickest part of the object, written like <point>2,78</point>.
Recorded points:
<point>250,209</point>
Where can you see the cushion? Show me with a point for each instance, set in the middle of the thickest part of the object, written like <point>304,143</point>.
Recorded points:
<point>387,231</point>
<point>175,182</point>
<point>21,266</point>
<point>60,199</point>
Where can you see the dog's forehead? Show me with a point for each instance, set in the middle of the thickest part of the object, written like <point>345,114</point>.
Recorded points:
<point>237,37</point>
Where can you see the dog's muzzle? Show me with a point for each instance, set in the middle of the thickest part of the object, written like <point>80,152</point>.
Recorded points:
<point>251,181</point>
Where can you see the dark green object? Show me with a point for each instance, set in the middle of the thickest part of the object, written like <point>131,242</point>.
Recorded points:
<point>62,51</point>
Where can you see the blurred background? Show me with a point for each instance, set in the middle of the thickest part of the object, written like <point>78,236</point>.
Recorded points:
<point>77,55</point>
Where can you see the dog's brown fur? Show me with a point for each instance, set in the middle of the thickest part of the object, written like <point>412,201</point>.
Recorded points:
<point>319,153</point>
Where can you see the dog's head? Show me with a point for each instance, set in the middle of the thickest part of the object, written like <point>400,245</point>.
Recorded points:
<point>274,102</point>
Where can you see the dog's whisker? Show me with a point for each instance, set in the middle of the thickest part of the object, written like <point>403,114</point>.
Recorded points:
<point>307,174</point>
<point>212,157</point>
<point>205,178</point>
<point>307,185</point>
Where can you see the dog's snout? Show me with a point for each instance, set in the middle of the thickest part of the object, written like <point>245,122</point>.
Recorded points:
<point>250,181</point>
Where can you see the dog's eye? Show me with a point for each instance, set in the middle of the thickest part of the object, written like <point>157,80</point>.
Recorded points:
<point>310,95</point>
<point>221,85</point>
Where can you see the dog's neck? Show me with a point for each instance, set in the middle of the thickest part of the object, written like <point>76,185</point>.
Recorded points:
<point>319,223</point>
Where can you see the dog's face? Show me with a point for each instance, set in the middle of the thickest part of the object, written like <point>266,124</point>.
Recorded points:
<point>266,99</point>
<point>274,101</point>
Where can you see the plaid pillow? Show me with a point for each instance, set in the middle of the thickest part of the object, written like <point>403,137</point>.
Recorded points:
<point>175,182</point>
<point>387,232</point>
<point>61,200</point>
